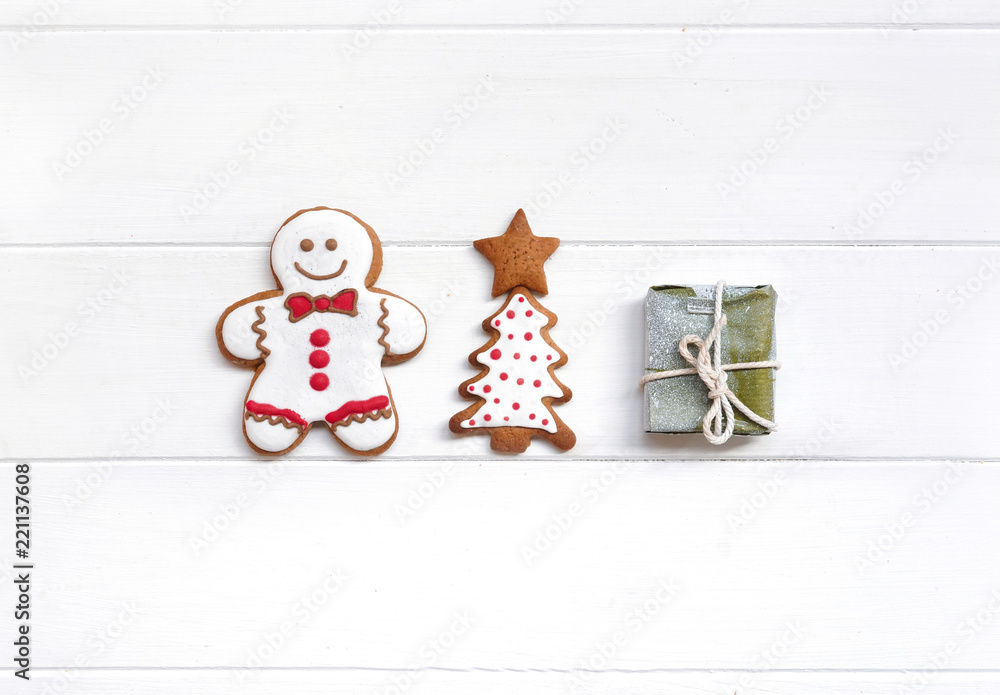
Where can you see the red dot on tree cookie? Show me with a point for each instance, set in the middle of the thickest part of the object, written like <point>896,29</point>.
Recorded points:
<point>487,388</point>
<point>510,336</point>
<point>503,376</point>
<point>529,313</point>
<point>319,358</point>
<point>548,357</point>
<point>319,382</point>
<point>319,338</point>
<point>472,387</point>
<point>538,383</point>
<point>517,355</point>
<point>511,314</point>
<point>487,417</point>
<point>531,417</point>
<point>516,406</point>
<point>520,382</point>
<point>497,323</point>
<point>534,358</point>
<point>520,299</point>
<point>472,423</point>
<point>545,421</point>
<point>528,336</point>
<point>497,401</point>
<point>496,354</point>
<point>506,419</point>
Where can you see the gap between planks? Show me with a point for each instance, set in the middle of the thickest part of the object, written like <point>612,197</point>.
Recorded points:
<point>430,243</point>
<point>314,461</point>
<point>509,28</point>
<point>487,669</point>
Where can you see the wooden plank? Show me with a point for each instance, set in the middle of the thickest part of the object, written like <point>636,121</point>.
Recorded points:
<point>517,565</point>
<point>146,682</point>
<point>380,14</point>
<point>603,135</point>
<point>873,341</point>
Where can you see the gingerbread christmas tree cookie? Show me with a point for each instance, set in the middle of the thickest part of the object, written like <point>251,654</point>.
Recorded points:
<point>517,386</point>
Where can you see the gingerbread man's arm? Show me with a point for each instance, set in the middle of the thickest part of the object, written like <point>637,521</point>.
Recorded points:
<point>404,328</point>
<point>240,332</point>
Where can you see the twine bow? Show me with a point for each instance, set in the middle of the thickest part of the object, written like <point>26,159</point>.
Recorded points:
<point>709,368</point>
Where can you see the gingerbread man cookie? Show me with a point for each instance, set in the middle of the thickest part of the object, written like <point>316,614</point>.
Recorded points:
<point>318,343</point>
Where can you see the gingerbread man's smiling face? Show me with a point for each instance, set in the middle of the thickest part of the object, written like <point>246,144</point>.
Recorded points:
<point>323,251</point>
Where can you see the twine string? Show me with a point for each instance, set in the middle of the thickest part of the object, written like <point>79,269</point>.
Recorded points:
<point>719,421</point>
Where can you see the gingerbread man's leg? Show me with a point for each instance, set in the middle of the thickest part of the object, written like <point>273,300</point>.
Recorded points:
<point>269,425</point>
<point>270,435</point>
<point>370,437</point>
<point>369,429</point>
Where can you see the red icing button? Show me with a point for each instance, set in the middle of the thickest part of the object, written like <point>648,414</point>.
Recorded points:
<point>545,421</point>
<point>548,357</point>
<point>472,423</point>
<point>534,358</point>
<point>529,313</point>
<point>520,299</point>
<point>472,387</point>
<point>497,401</point>
<point>528,336</point>
<point>487,388</point>
<point>520,382</point>
<point>531,417</point>
<point>503,376</point>
<point>510,336</point>
<point>487,417</point>
<point>538,384</point>
<point>322,304</point>
<point>319,337</point>
<point>506,419</point>
<point>497,323</point>
<point>517,355</point>
<point>511,314</point>
<point>319,358</point>
<point>496,354</point>
<point>516,406</point>
<point>319,381</point>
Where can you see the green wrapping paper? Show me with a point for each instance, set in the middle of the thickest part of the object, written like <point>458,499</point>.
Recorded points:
<point>678,404</point>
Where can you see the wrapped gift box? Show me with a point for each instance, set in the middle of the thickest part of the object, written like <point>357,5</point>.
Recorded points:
<point>678,404</point>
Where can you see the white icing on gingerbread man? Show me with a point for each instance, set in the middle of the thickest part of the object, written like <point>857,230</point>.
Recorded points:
<point>320,340</point>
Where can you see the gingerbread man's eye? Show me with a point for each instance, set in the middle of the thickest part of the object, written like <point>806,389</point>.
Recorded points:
<point>306,245</point>
<point>331,244</point>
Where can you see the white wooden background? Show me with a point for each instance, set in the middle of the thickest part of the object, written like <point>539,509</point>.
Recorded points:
<point>151,149</point>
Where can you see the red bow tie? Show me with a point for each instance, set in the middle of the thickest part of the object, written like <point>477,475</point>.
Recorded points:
<point>301,304</point>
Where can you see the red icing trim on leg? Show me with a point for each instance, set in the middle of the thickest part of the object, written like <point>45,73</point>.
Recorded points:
<point>357,408</point>
<point>270,411</point>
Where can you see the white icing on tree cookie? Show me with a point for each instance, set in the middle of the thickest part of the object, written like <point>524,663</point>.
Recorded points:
<point>519,375</point>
